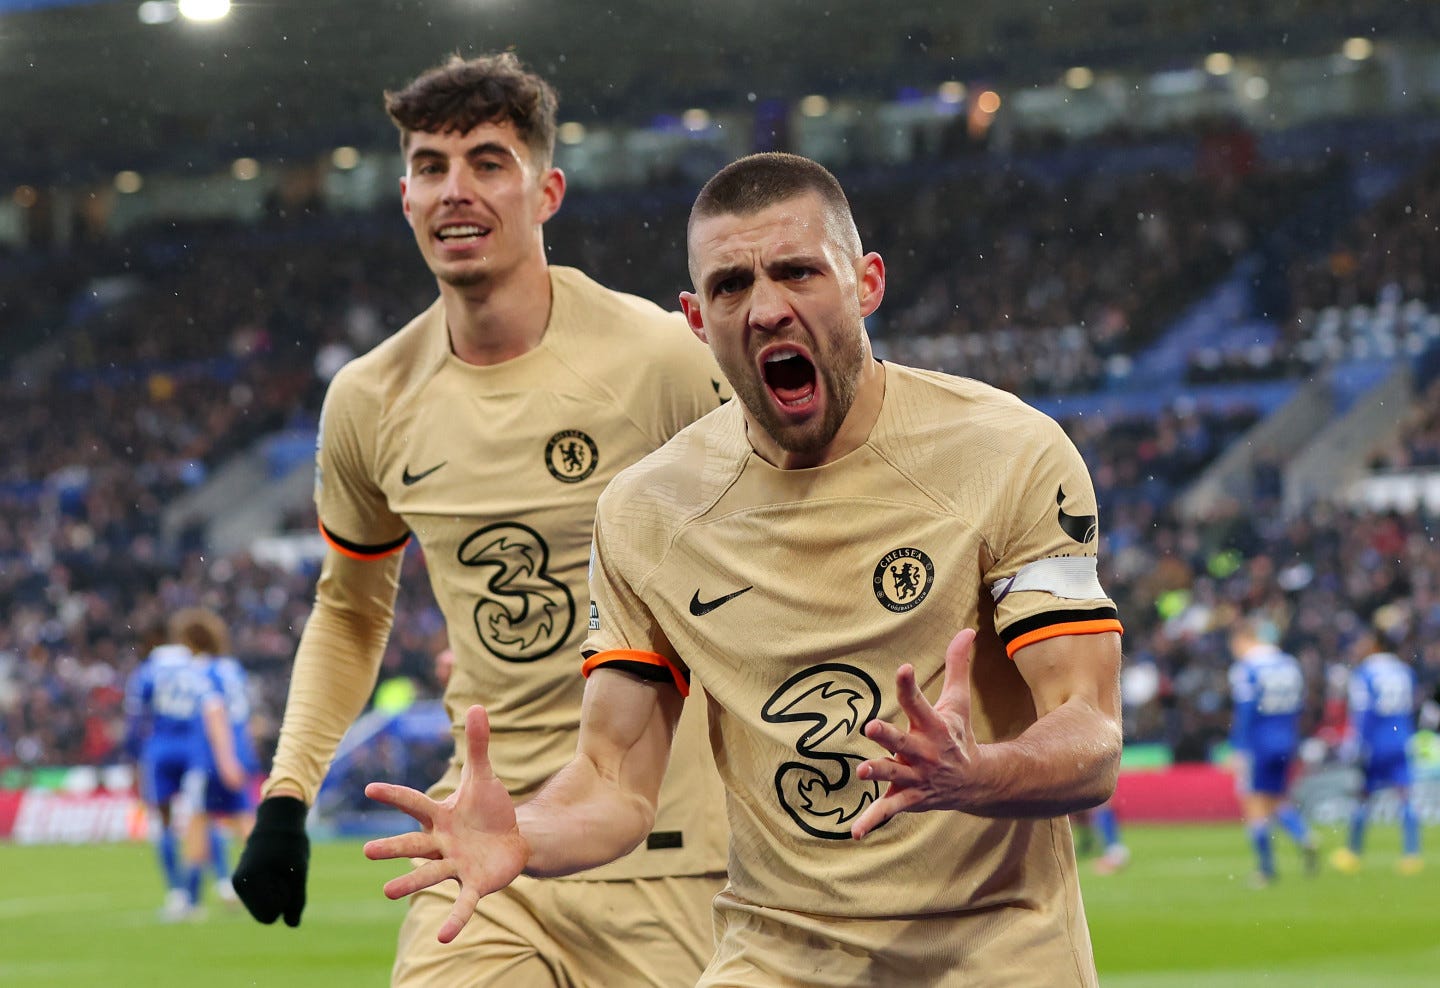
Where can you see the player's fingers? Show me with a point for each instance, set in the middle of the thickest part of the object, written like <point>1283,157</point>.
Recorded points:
<point>412,801</point>
<point>955,694</point>
<point>414,845</point>
<point>886,734</point>
<point>477,740</point>
<point>880,811</point>
<point>428,874</point>
<point>293,911</point>
<point>889,770</point>
<point>266,911</point>
<point>922,716</point>
<point>465,904</point>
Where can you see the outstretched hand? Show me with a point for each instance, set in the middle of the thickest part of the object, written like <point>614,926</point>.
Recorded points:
<point>934,762</point>
<point>470,836</point>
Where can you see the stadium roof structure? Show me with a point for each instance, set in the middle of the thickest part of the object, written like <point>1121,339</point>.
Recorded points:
<point>90,88</point>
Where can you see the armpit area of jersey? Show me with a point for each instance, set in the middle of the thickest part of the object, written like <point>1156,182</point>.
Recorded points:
<point>357,550</point>
<point>1053,624</point>
<point>644,665</point>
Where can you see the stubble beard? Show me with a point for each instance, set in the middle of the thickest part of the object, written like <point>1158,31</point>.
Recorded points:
<point>839,381</point>
<point>466,277</point>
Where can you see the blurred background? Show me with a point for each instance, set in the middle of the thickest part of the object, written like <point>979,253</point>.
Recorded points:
<point>1202,234</point>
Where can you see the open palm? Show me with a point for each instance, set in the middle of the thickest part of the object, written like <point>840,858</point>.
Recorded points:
<point>470,836</point>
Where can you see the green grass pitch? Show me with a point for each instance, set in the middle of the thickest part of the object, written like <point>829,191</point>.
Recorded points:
<point>1181,916</point>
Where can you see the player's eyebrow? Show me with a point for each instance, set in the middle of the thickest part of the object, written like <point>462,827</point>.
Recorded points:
<point>479,150</point>
<point>797,259</point>
<point>724,274</point>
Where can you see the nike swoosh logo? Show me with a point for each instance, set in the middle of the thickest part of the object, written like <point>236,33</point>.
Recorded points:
<point>700,608</point>
<point>407,478</point>
<point>1081,528</point>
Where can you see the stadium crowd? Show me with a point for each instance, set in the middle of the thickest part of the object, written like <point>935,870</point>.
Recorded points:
<point>206,348</point>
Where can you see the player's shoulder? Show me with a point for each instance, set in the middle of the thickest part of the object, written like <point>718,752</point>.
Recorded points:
<point>393,364</point>
<point>169,655</point>
<point>968,410</point>
<point>984,406</point>
<point>605,318</point>
<point>686,475</point>
<point>227,665</point>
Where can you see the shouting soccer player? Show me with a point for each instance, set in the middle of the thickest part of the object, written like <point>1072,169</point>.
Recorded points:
<point>809,554</point>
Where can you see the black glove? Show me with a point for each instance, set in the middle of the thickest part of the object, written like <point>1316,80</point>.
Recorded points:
<point>270,878</point>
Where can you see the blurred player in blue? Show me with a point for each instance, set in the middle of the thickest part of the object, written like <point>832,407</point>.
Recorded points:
<point>1268,691</point>
<point>1382,722</point>
<point>229,808</point>
<point>175,715</point>
<point>1114,855</point>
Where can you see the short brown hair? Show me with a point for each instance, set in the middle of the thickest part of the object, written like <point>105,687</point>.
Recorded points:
<point>460,94</point>
<point>758,181</point>
<point>200,630</point>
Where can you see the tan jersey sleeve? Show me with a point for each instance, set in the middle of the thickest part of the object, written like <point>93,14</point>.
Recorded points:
<point>336,665</point>
<point>623,633</point>
<point>1044,580</point>
<point>355,517</point>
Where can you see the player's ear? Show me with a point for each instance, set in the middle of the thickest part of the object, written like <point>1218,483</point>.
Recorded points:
<point>871,282</point>
<point>405,200</point>
<point>690,305</point>
<point>552,193</point>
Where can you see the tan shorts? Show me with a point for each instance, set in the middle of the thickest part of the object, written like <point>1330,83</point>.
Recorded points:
<point>757,947</point>
<point>644,932</point>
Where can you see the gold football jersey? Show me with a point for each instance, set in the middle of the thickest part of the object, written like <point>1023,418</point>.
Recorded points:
<point>792,596</point>
<point>496,470</point>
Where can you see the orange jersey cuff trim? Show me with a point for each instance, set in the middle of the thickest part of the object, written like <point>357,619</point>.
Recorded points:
<point>362,552</point>
<point>1057,630</point>
<point>624,656</point>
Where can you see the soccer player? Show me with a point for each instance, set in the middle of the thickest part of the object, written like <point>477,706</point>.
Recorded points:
<point>229,809</point>
<point>176,726</point>
<point>1267,689</point>
<point>1382,722</point>
<point>808,554</point>
<point>1114,855</point>
<point>486,429</point>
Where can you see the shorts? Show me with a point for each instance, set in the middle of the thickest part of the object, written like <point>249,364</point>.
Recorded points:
<point>562,933</point>
<point>1003,947</point>
<point>167,775</point>
<point>221,800</point>
<point>1386,770</point>
<point>1265,772</point>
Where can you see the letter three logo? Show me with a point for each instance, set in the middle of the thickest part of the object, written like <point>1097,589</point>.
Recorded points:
<point>524,614</point>
<point>821,792</point>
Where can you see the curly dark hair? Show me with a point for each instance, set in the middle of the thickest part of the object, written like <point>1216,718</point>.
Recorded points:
<point>462,93</point>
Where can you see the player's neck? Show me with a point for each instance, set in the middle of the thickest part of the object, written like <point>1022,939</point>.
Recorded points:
<point>499,319</point>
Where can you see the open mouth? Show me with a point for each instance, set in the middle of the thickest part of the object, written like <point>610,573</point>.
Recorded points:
<point>461,234</point>
<point>790,376</point>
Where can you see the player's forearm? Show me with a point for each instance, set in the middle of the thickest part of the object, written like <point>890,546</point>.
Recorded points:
<point>336,665</point>
<point>222,741</point>
<point>1068,760</point>
<point>580,819</point>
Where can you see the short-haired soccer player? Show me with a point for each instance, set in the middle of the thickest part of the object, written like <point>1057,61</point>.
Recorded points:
<point>886,581</point>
